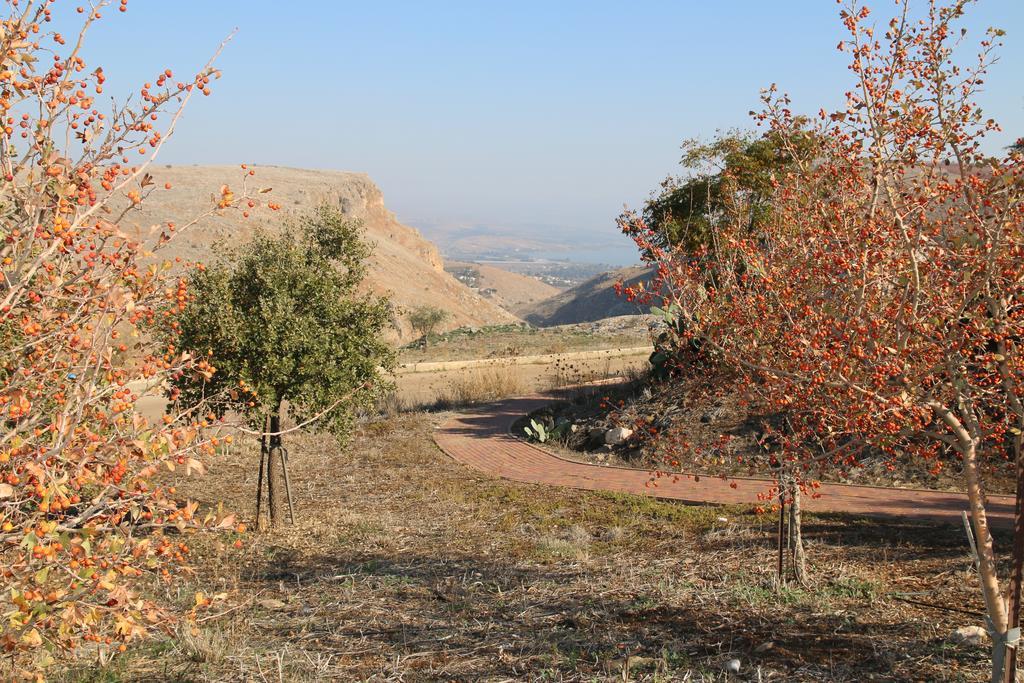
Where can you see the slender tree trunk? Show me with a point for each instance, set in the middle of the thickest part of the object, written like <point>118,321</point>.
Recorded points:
<point>995,606</point>
<point>986,555</point>
<point>796,535</point>
<point>781,578</point>
<point>968,448</point>
<point>274,468</point>
<point>259,479</point>
<point>1017,570</point>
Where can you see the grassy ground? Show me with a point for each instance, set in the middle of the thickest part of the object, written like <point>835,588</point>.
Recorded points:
<point>405,566</point>
<point>503,341</point>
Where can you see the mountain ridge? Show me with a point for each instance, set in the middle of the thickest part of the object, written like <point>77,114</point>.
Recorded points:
<point>591,300</point>
<point>404,265</point>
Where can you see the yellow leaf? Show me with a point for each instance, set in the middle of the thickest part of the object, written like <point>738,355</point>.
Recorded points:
<point>32,638</point>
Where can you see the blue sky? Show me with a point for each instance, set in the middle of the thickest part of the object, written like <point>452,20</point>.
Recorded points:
<point>542,117</point>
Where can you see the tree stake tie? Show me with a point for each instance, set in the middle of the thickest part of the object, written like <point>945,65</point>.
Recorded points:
<point>970,539</point>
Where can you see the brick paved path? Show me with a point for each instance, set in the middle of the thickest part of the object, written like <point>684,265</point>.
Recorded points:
<point>480,439</point>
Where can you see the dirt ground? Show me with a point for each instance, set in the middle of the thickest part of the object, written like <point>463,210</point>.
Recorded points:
<point>404,566</point>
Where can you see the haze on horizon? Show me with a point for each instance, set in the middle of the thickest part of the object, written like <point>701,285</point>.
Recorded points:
<point>532,120</point>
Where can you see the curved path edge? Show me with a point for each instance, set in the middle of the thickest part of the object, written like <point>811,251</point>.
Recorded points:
<point>482,439</point>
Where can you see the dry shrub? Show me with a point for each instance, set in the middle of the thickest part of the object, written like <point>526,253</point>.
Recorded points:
<point>480,385</point>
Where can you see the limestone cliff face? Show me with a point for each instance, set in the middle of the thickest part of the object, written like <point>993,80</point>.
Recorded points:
<point>356,195</point>
<point>404,265</point>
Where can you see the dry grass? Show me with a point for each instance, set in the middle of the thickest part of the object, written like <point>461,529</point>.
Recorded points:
<point>404,566</point>
<point>482,385</point>
<point>460,388</point>
<point>506,341</point>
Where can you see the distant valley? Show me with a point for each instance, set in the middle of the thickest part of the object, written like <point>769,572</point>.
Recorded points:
<point>405,265</point>
<point>527,242</point>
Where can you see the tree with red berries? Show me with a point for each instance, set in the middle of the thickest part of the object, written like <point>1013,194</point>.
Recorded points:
<point>82,301</point>
<point>880,307</point>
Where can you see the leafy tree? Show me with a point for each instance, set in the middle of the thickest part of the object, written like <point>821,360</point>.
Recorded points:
<point>284,325</point>
<point>425,319</point>
<point>734,174</point>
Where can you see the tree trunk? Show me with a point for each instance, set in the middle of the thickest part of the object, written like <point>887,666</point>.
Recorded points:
<point>274,469</point>
<point>968,448</point>
<point>986,556</point>
<point>1017,569</point>
<point>995,606</point>
<point>259,480</point>
<point>781,575</point>
<point>796,536</point>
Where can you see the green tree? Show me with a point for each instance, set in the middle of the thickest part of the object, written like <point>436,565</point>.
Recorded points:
<point>733,174</point>
<point>284,324</point>
<point>425,319</point>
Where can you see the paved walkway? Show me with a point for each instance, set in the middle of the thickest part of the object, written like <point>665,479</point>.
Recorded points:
<point>480,439</point>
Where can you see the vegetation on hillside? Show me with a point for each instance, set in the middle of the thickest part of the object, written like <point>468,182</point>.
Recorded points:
<point>426,319</point>
<point>733,177</point>
<point>514,340</point>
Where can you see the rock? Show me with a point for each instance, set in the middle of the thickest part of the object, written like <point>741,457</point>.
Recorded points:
<point>733,666</point>
<point>272,604</point>
<point>595,439</point>
<point>971,636</point>
<point>617,436</point>
<point>637,662</point>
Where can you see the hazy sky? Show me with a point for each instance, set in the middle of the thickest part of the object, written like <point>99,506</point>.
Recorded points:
<point>536,115</point>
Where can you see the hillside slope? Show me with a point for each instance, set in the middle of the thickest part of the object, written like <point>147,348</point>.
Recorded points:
<point>512,291</point>
<point>404,265</point>
<point>593,300</point>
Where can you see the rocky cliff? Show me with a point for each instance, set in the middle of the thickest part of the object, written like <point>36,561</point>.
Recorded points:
<point>404,265</point>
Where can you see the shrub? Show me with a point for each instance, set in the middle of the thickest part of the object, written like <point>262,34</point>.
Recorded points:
<point>425,319</point>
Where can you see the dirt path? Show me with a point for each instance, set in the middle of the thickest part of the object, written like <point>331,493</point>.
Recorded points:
<point>481,440</point>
